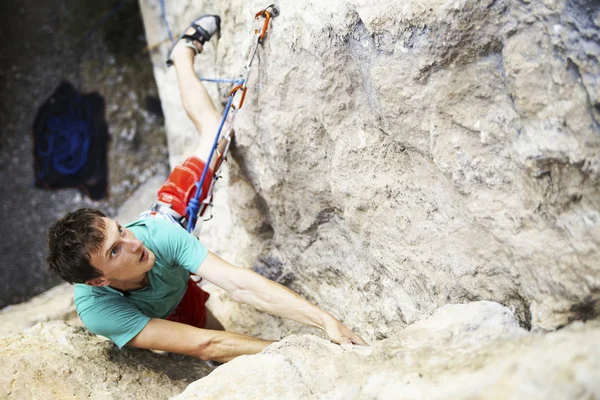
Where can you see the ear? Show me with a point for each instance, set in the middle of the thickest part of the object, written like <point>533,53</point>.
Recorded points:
<point>101,281</point>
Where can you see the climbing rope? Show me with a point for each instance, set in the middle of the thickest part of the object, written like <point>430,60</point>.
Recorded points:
<point>240,86</point>
<point>163,15</point>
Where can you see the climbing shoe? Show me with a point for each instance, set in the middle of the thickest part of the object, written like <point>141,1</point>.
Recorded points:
<point>204,28</point>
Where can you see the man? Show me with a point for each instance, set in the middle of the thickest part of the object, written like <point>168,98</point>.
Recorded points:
<point>132,281</point>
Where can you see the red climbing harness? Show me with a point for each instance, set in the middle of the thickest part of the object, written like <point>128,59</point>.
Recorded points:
<point>181,186</point>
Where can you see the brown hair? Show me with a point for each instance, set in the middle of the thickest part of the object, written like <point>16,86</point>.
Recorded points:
<point>71,239</point>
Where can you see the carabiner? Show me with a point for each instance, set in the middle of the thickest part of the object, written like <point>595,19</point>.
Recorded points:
<point>235,89</point>
<point>267,15</point>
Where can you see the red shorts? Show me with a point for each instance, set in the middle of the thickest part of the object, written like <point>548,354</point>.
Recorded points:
<point>180,187</point>
<point>191,310</point>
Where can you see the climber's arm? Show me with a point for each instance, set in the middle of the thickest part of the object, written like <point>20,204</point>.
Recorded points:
<point>206,344</point>
<point>248,287</point>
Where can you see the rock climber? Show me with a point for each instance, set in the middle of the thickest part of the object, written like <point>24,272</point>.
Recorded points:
<point>133,282</point>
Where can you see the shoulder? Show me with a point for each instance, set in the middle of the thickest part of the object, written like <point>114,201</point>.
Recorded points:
<point>83,292</point>
<point>160,233</point>
<point>87,297</point>
<point>172,244</point>
<point>108,313</point>
<point>156,229</point>
<point>152,223</point>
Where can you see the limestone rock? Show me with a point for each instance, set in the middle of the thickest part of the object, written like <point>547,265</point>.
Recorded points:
<point>53,360</point>
<point>474,351</point>
<point>54,304</point>
<point>394,157</point>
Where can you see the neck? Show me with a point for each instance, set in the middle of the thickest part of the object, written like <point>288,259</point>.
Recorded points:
<point>134,284</point>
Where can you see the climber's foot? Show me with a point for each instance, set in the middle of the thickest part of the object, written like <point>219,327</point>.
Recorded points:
<point>199,32</point>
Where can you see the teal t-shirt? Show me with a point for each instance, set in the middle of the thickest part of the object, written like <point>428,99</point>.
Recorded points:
<point>121,316</point>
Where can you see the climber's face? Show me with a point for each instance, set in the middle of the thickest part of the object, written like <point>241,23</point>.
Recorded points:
<point>122,258</point>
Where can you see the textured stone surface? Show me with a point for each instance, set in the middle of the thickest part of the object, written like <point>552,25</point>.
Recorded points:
<point>472,351</point>
<point>393,157</point>
<point>54,304</point>
<point>53,360</point>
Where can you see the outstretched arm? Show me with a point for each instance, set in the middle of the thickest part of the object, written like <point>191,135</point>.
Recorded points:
<point>160,334</point>
<point>248,287</point>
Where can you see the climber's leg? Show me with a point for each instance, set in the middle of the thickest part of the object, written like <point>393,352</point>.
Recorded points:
<point>174,194</point>
<point>196,100</point>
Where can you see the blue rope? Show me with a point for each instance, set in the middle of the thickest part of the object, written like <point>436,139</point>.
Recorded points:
<point>236,81</point>
<point>194,204</point>
<point>68,138</point>
<point>164,18</point>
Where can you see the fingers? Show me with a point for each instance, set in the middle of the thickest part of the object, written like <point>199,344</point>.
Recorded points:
<point>350,340</point>
<point>356,339</point>
<point>339,338</point>
<point>347,345</point>
<point>340,334</point>
<point>345,337</point>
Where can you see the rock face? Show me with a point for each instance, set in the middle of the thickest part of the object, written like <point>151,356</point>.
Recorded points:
<point>472,351</point>
<point>53,360</point>
<point>475,351</point>
<point>54,304</point>
<point>394,157</point>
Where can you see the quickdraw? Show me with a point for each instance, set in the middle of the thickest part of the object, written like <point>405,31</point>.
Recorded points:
<point>194,206</point>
